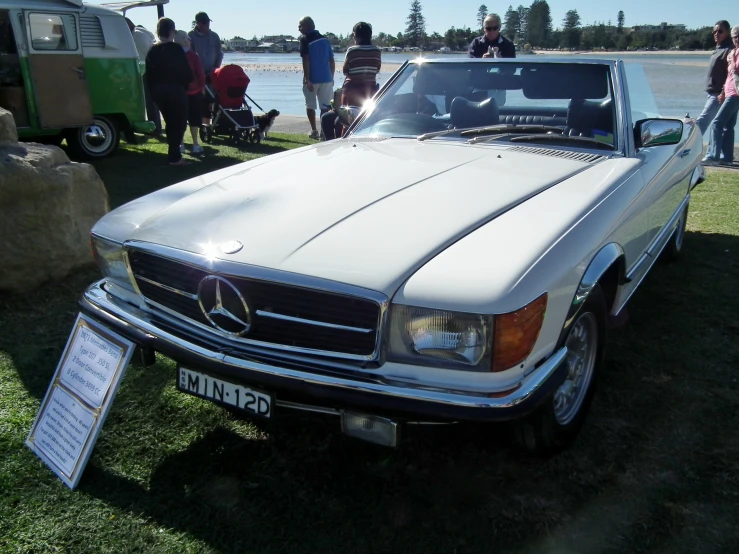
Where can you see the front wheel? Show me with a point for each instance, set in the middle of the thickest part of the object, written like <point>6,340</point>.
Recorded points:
<point>555,424</point>
<point>94,141</point>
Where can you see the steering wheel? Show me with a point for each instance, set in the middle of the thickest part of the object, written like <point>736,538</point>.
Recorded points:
<point>408,124</point>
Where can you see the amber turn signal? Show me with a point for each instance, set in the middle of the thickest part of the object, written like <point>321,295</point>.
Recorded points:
<point>516,333</point>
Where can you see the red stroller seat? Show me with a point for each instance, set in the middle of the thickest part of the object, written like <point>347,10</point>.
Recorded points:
<point>230,83</point>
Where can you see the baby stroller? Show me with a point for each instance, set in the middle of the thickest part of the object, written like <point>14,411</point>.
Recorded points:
<point>231,115</point>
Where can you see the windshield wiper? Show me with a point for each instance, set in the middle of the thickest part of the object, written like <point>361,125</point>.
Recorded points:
<point>494,130</point>
<point>565,139</point>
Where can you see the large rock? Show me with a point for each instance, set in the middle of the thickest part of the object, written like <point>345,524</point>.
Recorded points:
<point>47,207</point>
<point>8,132</point>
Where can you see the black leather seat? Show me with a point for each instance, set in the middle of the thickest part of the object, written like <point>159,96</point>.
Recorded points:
<point>583,116</point>
<point>466,113</point>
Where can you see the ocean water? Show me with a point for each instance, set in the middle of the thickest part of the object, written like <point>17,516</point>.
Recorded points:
<point>677,81</point>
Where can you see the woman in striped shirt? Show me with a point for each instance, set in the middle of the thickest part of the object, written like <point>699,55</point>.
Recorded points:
<point>361,66</point>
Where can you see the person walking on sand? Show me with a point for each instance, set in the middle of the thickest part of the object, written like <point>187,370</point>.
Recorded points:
<point>318,71</point>
<point>716,78</point>
<point>169,75</point>
<point>195,98</point>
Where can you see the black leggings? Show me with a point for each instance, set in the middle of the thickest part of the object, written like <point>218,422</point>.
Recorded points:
<point>172,102</point>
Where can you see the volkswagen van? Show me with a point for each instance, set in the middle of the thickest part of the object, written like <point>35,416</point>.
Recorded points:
<point>70,71</point>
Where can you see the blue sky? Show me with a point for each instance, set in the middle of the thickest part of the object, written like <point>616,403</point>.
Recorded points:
<point>248,18</point>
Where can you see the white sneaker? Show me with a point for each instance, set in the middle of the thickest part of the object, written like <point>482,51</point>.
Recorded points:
<point>196,149</point>
<point>313,135</point>
<point>182,148</point>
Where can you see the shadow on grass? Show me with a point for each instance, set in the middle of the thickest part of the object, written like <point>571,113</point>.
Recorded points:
<point>661,440</point>
<point>655,468</point>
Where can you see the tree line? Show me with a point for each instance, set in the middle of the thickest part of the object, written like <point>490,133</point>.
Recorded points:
<point>532,27</point>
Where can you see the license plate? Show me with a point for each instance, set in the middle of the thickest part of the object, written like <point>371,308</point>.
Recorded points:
<point>252,401</point>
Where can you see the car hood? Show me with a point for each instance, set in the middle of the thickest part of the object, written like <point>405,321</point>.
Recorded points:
<point>364,213</point>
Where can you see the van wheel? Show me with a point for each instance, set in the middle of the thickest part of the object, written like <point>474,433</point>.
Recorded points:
<point>95,141</point>
<point>555,424</point>
<point>675,245</point>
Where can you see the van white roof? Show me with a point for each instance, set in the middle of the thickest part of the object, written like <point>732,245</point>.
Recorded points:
<point>57,5</point>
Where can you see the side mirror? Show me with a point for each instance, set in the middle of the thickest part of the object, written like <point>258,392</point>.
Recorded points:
<point>347,114</point>
<point>656,132</point>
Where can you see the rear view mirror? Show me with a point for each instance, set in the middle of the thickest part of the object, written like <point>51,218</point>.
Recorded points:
<point>347,114</point>
<point>656,132</point>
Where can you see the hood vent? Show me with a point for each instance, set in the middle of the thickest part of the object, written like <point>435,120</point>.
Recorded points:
<point>579,156</point>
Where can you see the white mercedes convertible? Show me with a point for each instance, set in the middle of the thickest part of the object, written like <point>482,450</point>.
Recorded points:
<point>458,255</point>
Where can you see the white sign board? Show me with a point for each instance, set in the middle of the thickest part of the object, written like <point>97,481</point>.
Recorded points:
<point>79,397</point>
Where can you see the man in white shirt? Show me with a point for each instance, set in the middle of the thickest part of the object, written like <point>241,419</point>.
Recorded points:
<point>144,39</point>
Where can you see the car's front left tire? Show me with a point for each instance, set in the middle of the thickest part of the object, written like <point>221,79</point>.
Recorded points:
<point>556,423</point>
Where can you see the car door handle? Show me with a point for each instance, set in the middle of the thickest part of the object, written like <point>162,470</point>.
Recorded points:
<point>685,152</point>
<point>80,71</point>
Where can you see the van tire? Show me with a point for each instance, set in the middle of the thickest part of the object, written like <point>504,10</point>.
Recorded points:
<point>94,141</point>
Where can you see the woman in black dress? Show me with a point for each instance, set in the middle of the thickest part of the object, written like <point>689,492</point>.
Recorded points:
<point>168,75</point>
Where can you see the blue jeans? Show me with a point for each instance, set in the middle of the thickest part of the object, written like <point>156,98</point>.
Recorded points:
<point>704,121</point>
<point>709,112</point>
<point>722,129</point>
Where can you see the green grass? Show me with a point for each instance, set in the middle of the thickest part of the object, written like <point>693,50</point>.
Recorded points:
<point>656,468</point>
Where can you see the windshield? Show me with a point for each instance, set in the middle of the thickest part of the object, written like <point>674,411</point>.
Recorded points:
<point>491,100</point>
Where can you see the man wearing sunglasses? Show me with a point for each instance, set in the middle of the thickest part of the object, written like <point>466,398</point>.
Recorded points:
<point>716,76</point>
<point>492,44</point>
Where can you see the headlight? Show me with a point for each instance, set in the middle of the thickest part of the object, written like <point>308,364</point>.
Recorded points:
<point>471,342</point>
<point>440,338</point>
<point>109,259</point>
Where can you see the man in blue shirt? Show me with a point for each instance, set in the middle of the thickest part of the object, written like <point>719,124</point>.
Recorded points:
<point>492,44</point>
<point>318,71</point>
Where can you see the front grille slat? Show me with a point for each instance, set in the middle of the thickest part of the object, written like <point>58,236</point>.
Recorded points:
<point>279,298</point>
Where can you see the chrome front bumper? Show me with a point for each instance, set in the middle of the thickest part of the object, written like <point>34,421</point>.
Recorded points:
<point>327,390</point>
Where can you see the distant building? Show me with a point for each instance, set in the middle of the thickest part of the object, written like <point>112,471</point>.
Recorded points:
<point>664,26</point>
<point>238,43</point>
<point>280,43</point>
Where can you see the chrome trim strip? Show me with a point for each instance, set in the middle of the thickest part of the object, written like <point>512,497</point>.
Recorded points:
<point>664,235</point>
<point>165,287</point>
<point>604,259</point>
<point>98,302</point>
<point>229,268</point>
<point>699,175</point>
<point>637,267</point>
<point>307,408</point>
<point>238,270</point>
<point>625,123</point>
<point>177,319</point>
<point>667,232</point>
<point>130,272</point>
<point>313,322</point>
